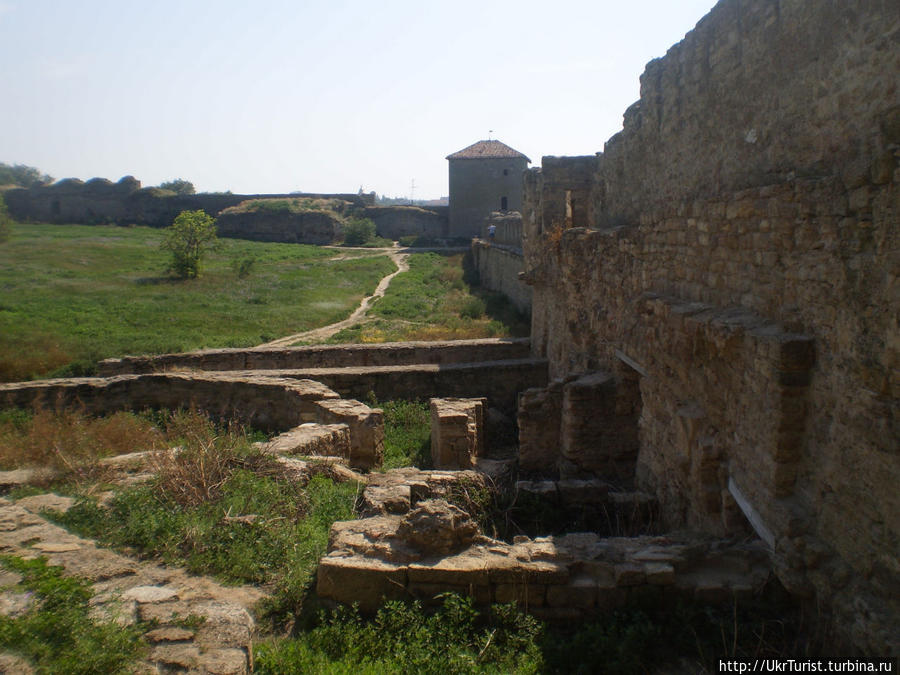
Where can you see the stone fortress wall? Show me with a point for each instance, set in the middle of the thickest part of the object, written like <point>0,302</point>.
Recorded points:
<point>127,203</point>
<point>734,251</point>
<point>499,261</point>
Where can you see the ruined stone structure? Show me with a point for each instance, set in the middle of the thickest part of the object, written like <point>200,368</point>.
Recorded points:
<point>484,177</point>
<point>727,267</point>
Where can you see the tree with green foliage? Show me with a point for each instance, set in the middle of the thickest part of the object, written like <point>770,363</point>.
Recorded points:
<point>189,237</point>
<point>358,231</point>
<point>179,186</point>
<point>5,221</point>
<point>23,176</point>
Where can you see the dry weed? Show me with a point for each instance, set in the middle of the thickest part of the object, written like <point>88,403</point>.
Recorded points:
<point>26,358</point>
<point>68,444</point>
<point>205,459</point>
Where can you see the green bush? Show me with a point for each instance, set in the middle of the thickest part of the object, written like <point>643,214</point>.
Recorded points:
<point>473,309</point>
<point>189,237</point>
<point>403,638</point>
<point>358,231</point>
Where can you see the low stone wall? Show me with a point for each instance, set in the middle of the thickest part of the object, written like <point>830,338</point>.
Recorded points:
<point>499,268</point>
<point>326,356</point>
<point>264,402</point>
<point>413,545</point>
<point>498,381</point>
<point>457,432</point>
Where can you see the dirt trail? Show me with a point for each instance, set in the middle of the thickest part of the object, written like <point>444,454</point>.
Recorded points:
<point>400,259</point>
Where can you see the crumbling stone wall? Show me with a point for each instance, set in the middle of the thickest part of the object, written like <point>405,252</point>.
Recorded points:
<point>265,402</point>
<point>741,252</point>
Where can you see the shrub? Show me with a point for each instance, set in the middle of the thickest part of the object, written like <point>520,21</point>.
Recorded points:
<point>188,238</point>
<point>358,231</point>
<point>179,186</point>
<point>473,309</point>
<point>244,266</point>
<point>403,638</point>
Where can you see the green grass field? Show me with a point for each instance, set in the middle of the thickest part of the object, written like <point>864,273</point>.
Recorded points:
<point>437,299</point>
<point>71,295</point>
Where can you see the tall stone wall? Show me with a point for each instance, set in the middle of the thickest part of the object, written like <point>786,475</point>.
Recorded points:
<point>760,92</point>
<point>739,251</point>
<point>499,268</point>
<point>394,222</point>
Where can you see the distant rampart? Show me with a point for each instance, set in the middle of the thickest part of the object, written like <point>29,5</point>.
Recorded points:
<point>100,201</point>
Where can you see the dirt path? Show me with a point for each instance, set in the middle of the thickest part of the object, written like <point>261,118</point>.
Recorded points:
<point>400,259</point>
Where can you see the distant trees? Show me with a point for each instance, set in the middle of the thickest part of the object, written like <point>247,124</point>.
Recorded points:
<point>189,237</point>
<point>179,186</point>
<point>5,221</point>
<point>23,176</point>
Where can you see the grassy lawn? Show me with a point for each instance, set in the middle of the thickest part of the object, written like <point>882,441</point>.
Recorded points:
<point>71,295</point>
<point>437,300</point>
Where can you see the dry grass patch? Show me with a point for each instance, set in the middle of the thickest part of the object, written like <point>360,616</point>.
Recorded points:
<point>68,444</point>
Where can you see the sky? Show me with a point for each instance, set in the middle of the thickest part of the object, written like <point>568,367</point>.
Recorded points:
<point>277,96</point>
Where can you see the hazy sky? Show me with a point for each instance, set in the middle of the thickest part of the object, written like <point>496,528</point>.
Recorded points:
<point>317,95</point>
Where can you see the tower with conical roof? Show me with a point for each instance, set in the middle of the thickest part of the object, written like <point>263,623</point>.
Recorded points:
<point>484,177</point>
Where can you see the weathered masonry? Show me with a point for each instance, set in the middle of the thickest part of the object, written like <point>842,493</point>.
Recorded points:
<point>722,281</point>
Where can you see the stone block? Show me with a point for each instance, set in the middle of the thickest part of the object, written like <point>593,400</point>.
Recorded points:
<point>526,595</point>
<point>580,592</point>
<point>366,581</point>
<point>457,432</point>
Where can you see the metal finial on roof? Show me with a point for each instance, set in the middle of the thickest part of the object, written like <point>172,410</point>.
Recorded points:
<point>490,131</point>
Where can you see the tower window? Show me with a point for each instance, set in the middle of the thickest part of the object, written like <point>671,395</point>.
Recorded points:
<point>503,204</point>
<point>505,172</point>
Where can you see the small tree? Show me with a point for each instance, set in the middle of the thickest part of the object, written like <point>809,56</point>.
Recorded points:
<point>178,186</point>
<point>5,221</point>
<point>187,239</point>
<point>358,231</point>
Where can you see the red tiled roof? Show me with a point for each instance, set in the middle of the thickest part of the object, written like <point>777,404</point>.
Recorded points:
<point>487,150</point>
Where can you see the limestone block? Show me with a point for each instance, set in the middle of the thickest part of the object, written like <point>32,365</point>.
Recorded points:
<point>311,439</point>
<point>457,432</point>
<point>526,595</point>
<point>366,429</point>
<point>366,581</point>
<point>580,592</point>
